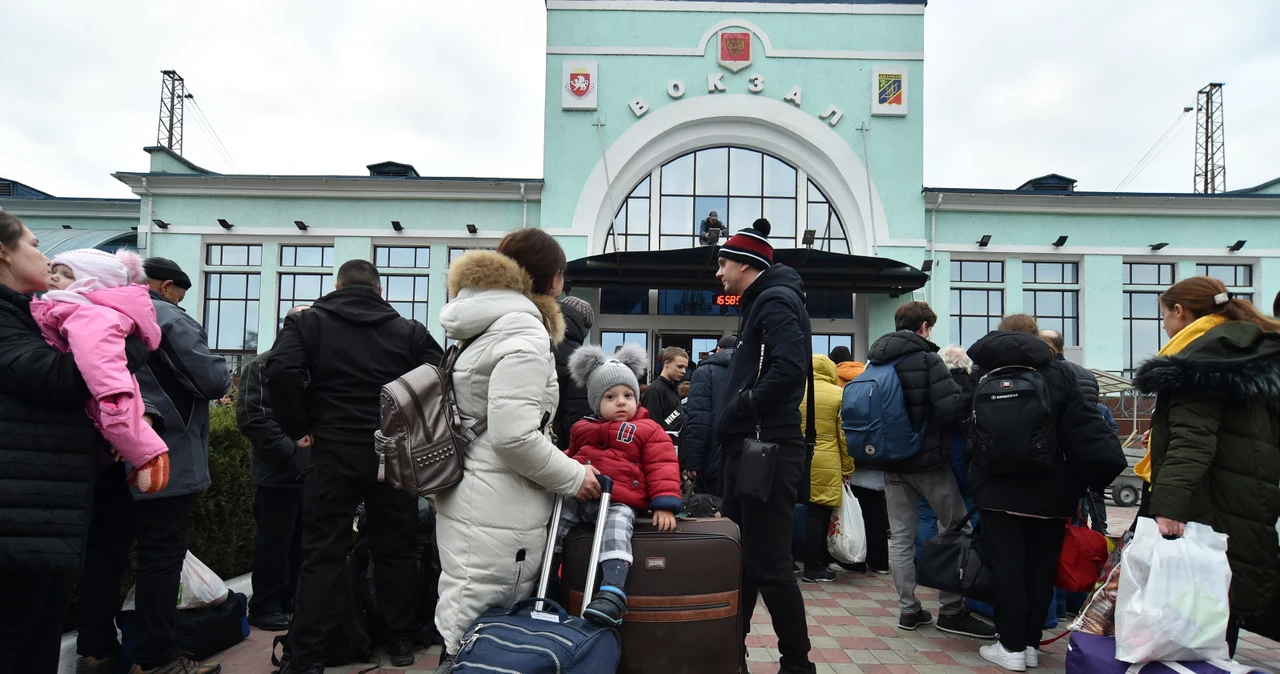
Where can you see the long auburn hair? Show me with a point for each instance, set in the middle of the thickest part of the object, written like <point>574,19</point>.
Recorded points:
<point>1200,294</point>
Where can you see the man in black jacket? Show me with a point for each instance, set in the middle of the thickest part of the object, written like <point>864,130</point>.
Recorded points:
<point>935,405</point>
<point>700,452</point>
<point>765,384</point>
<point>324,376</point>
<point>662,399</point>
<point>578,319</point>
<point>276,462</point>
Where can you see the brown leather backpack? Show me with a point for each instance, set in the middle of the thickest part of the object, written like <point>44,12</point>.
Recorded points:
<point>421,443</point>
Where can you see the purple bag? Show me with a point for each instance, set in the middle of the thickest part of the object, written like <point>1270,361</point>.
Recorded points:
<point>1093,654</point>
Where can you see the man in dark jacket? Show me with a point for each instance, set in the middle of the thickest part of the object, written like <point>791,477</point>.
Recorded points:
<point>578,319</point>
<point>1024,513</point>
<point>700,450</point>
<point>324,376</point>
<point>764,403</point>
<point>1087,381</point>
<point>180,379</point>
<point>935,405</point>
<point>662,399</point>
<point>276,462</point>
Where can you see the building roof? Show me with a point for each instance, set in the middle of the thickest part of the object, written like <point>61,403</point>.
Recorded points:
<point>1054,182</point>
<point>54,241</point>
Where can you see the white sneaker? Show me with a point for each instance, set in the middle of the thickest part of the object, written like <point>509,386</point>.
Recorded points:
<point>1033,657</point>
<point>995,653</point>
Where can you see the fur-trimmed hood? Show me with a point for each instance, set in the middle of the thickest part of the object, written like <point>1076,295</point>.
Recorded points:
<point>486,286</point>
<point>1235,361</point>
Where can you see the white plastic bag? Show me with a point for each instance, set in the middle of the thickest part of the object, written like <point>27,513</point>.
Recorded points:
<point>1172,603</point>
<point>200,587</point>
<point>847,536</point>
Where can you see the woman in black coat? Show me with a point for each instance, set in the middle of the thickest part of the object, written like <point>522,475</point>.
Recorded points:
<point>48,460</point>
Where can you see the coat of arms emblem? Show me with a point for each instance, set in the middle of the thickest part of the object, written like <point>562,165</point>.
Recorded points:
<point>735,51</point>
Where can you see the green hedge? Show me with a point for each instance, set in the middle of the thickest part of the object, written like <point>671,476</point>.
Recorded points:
<point>222,525</point>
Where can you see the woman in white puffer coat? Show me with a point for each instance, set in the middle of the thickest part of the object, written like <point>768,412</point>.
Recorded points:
<point>492,527</point>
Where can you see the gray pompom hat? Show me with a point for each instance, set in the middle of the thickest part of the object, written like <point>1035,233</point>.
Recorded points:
<point>591,367</point>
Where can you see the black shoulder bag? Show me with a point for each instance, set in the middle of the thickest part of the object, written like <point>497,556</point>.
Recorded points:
<point>760,459</point>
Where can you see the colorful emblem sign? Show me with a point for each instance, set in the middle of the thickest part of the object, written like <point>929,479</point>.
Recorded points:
<point>579,82</point>
<point>735,51</point>
<point>889,91</point>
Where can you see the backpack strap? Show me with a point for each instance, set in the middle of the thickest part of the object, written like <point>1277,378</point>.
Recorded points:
<point>450,360</point>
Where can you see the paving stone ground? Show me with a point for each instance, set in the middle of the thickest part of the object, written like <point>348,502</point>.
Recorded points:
<point>852,624</point>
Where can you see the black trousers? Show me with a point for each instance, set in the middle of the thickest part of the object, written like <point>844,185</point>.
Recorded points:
<point>31,620</point>
<point>339,477</point>
<point>277,549</point>
<point>816,522</point>
<point>1025,548</point>
<point>875,519</point>
<point>161,528</point>
<point>766,552</point>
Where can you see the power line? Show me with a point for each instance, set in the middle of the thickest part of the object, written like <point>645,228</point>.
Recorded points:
<point>1154,150</point>
<point>216,140</point>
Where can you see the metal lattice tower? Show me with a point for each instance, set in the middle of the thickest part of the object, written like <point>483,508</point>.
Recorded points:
<point>1211,153</point>
<point>173,91</point>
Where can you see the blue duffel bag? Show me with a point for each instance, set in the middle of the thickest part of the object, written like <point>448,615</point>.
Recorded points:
<point>537,636</point>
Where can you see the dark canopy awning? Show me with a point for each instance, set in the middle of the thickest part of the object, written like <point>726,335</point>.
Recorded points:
<point>695,269</point>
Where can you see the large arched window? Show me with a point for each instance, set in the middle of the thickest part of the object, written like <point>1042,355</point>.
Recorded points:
<point>666,209</point>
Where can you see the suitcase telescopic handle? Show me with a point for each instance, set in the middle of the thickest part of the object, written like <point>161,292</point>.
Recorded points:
<point>606,489</point>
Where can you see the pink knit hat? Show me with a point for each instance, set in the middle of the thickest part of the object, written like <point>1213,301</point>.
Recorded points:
<point>112,270</point>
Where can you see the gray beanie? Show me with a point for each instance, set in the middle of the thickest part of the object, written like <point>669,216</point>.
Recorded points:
<point>583,308</point>
<point>590,367</point>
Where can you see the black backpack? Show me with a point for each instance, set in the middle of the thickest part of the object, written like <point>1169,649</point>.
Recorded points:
<point>350,641</point>
<point>1012,429</point>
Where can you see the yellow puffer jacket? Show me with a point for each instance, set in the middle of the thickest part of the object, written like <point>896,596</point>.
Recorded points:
<point>830,457</point>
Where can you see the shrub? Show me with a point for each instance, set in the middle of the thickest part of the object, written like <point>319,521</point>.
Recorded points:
<point>222,525</point>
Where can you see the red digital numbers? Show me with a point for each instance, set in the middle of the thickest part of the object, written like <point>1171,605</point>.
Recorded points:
<point>727,300</point>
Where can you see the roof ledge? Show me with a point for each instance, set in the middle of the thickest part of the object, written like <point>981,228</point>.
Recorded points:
<point>164,160</point>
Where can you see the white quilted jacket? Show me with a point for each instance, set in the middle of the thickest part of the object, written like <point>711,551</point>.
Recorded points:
<point>492,527</point>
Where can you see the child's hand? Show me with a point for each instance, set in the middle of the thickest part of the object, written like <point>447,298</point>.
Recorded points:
<point>153,476</point>
<point>665,521</point>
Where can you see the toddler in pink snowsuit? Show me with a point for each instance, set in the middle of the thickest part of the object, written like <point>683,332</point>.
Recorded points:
<point>92,305</point>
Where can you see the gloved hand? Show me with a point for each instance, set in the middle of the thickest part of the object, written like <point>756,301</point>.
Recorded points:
<point>135,350</point>
<point>153,476</point>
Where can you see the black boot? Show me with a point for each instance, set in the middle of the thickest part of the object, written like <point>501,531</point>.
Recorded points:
<point>608,608</point>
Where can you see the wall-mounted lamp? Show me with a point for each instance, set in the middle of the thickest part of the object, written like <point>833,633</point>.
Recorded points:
<point>160,223</point>
<point>225,225</point>
<point>1235,247</point>
<point>927,266</point>
<point>66,226</point>
<point>395,224</point>
<point>1060,242</point>
<point>302,226</point>
<point>986,239</point>
<point>808,237</point>
<point>472,229</point>
<point>1159,246</point>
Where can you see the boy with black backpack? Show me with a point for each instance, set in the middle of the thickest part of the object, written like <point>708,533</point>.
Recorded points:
<point>895,416</point>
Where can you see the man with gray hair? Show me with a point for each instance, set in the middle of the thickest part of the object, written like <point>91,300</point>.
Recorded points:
<point>276,462</point>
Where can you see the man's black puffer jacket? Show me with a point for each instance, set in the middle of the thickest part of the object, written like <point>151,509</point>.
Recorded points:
<point>49,448</point>
<point>930,393</point>
<point>1087,381</point>
<point>573,398</point>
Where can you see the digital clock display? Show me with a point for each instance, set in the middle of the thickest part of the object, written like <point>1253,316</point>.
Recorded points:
<point>728,300</point>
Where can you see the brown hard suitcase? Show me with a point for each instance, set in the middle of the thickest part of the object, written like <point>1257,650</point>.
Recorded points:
<point>682,596</point>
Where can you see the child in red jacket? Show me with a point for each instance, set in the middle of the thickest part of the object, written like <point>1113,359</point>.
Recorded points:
<point>622,442</point>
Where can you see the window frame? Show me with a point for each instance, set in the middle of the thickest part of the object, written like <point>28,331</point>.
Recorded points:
<point>386,250</point>
<point>326,286</point>
<point>326,256</point>
<point>385,280</point>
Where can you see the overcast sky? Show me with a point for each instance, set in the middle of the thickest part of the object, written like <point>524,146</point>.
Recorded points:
<point>1013,89</point>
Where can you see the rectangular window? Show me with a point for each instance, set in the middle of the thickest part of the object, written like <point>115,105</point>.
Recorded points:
<point>220,255</point>
<point>977,271</point>
<point>298,289</point>
<point>696,303</point>
<point>1050,272</point>
<point>1148,274</point>
<point>402,257</point>
<point>408,295</point>
<point>306,256</point>
<point>612,341</point>
<point>829,304</point>
<point>624,301</point>
<point>974,313</point>
<point>1057,310</point>
<point>231,311</point>
<point>1231,275</point>
<point>823,344</point>
<point>1144,333</point>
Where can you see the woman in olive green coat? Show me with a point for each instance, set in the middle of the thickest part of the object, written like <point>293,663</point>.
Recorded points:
<point>1215,434</point>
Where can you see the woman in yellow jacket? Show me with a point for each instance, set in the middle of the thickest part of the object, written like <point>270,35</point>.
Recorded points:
<point>831,464</point>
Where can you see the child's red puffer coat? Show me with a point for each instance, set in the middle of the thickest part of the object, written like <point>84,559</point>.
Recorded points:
<point>637,454</point>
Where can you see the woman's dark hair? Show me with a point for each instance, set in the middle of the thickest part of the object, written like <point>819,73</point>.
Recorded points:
<point>538,253</point>
<point>10,230</point>
<point>1200,296</point>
